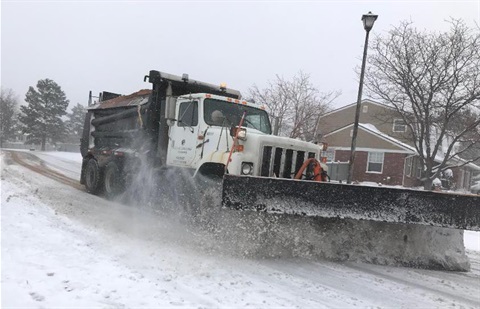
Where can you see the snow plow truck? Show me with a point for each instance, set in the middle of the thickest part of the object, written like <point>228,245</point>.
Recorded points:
<point>210,131</point>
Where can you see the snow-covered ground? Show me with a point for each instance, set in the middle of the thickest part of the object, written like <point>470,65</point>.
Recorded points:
<point>67,163</point>
<point>62,247</point>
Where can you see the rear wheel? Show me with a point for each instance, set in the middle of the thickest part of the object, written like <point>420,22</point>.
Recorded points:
<point>112,180</point>
<point>92,177</point>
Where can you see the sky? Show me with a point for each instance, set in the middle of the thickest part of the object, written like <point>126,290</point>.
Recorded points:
<point>112,45</point>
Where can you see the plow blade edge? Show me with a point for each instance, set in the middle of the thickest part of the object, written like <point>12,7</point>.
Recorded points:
<point>332,200</point>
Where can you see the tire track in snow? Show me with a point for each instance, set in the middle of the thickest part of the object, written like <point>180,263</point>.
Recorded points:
<point>67,167</point>
<point>21,158</point>
<point>425,287</point>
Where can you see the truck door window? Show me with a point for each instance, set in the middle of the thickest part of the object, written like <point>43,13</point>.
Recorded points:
<point>188,114</point>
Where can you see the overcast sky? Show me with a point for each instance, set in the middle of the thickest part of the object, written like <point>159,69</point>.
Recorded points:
<point>111,45</point>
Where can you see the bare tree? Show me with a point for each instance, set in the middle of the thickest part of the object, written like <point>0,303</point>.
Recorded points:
<point>8,110</point>
<point>297,104</point>
<point>433,80</point>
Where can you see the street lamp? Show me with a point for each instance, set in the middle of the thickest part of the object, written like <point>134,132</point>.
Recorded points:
<point>368,21</point>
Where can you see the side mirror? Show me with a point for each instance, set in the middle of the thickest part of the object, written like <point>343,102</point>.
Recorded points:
<point>233,130</point>
<point>170,106</point>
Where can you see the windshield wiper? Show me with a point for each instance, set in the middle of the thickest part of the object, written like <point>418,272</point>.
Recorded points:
<point>249,122</point>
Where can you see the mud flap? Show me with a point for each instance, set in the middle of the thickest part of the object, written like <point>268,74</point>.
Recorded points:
<point>333,200</point>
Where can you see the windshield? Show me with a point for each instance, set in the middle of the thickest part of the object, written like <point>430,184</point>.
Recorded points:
<point>221,113</point>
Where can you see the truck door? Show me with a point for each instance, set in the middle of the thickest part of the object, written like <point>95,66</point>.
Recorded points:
<point>183,135</point>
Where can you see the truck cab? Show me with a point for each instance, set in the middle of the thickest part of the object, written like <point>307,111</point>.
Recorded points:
<point>202,138</point>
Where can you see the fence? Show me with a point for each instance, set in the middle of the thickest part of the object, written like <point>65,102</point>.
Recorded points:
<point>338,171</point>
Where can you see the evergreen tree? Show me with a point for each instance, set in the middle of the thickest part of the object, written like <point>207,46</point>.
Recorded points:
<point>41,118</point>
<point>76,120</point>
<point>8,109</point>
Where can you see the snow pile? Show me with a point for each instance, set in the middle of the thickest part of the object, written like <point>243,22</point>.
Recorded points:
<point>282,236</point>
<point>437,183</point>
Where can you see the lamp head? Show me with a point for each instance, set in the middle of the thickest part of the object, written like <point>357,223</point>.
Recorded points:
<point>368,20</point>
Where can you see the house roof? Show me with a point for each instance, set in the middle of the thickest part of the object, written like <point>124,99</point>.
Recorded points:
<point>371,129</point>
<point>355,103</point>
<point>470,164</point>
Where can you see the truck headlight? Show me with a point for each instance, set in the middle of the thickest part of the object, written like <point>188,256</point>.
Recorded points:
<point>247,168</point>
<point>242,134</point>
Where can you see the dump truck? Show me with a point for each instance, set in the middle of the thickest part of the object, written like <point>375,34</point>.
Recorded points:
<point>209,131</point>
<point>185,124</point>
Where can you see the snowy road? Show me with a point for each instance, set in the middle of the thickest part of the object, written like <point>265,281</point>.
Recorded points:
<point>62,247</point>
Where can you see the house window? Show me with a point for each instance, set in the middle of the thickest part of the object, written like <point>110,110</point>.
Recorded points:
<point>399,125</point>
<point>329,154</point>
<point>467,179</point>
<point>365,109</point>
<point>375,162</point>
<point>408,166</point>
<point>418,170</point>
<point>188,114</point>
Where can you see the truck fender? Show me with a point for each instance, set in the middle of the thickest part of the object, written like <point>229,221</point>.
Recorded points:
<point>210,170</point>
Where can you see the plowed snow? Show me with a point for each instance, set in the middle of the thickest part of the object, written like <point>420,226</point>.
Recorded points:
<point>62,247</point>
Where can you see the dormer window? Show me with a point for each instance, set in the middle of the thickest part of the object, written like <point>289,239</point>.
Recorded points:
<point>399,125</point>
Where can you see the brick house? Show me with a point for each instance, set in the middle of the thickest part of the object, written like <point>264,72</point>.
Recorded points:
<point>384,151</point>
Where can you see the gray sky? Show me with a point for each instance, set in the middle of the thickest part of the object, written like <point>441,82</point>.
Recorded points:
<point>111,45</point>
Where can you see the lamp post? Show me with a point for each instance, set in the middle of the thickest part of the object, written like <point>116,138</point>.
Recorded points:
<point>368,21</point>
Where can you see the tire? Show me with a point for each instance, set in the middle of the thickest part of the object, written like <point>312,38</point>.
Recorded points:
<point>184,193</point>
<point>93,179</point>
<point>209,205</point>
<point>112,182</point>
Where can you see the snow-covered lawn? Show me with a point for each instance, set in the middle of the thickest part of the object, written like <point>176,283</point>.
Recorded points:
<point>64,248</point>
<point>71,157</point>
<point>472,240</point>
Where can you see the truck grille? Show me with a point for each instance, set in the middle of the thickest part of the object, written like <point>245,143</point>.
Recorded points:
<point>281,162</point>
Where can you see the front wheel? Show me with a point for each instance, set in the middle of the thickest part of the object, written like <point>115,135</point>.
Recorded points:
<point>112,180</point>
<point>209,204</point>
